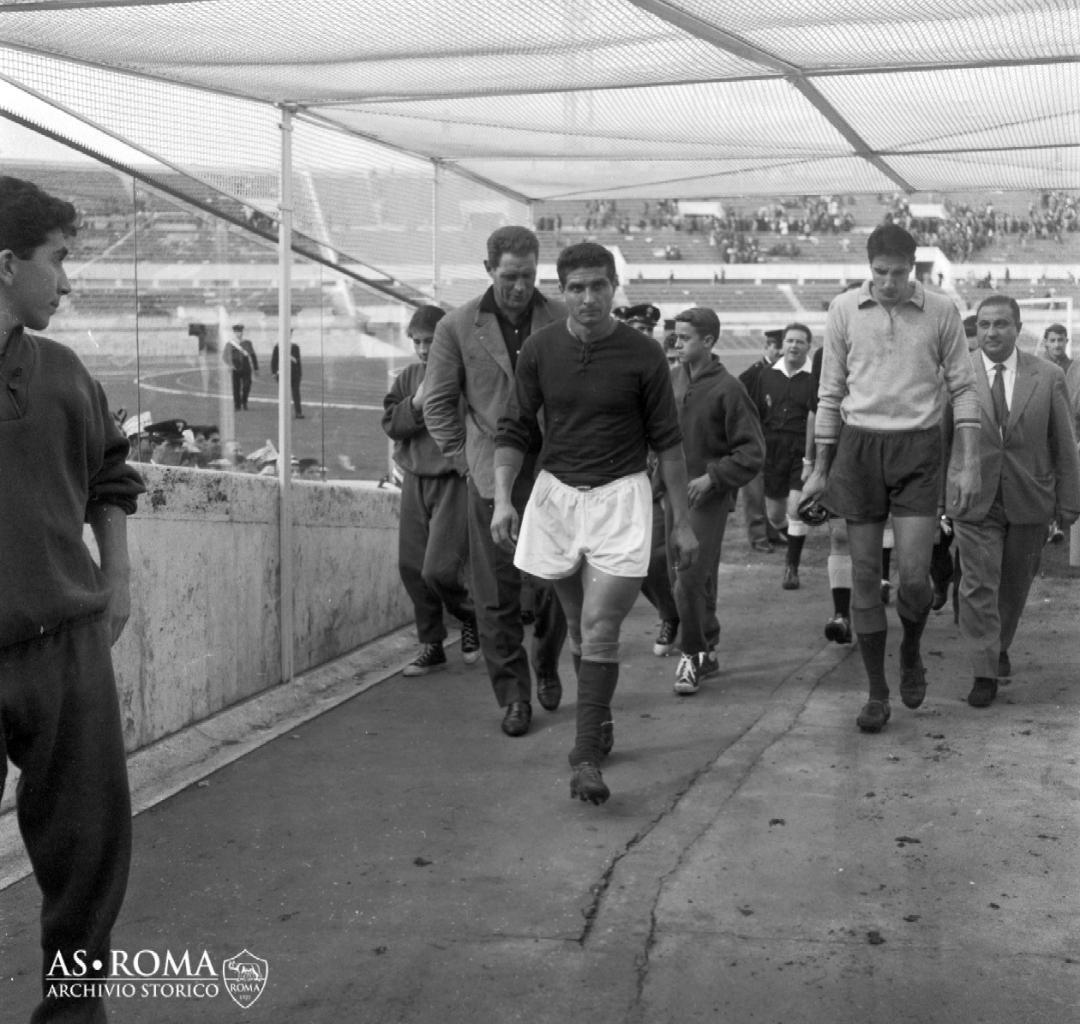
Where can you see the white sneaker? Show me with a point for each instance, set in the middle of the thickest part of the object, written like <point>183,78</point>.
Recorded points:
<point>687,677</point>
<point>665,639</point>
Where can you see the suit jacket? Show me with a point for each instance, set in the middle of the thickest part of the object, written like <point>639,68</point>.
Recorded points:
<point>468,359</point>
<point>1072,386</point>
<point>1036,463</point>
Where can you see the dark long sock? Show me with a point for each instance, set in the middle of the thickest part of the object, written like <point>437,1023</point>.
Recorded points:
<point>886,560</point>
<point>841,601</point>
<point>794,550</point>
<point>576,659</point>
<point>872,649</point>
<point>596,687</point>
<point>909,645</point>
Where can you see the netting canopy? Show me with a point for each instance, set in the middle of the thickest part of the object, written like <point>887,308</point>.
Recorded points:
<point>550,99</point>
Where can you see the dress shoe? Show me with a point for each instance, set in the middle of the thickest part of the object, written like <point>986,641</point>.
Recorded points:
<point>517,718</point>
<point>913,685</point>
<point>1004,669</point>
<point>548,691</point>
<point>983,692</point>
<point>586,783</point>
<point>874,715</point>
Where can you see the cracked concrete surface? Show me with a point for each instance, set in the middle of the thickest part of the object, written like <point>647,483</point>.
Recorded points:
<point>398,860</point>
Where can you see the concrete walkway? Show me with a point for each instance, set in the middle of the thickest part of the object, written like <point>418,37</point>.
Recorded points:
<point>396,859</point>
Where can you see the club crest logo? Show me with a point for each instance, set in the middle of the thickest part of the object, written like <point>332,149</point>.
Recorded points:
<point>244,977</point>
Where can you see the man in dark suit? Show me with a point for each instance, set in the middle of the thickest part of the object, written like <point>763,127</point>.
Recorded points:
<point>1030,475</point>
<point>296,373</point>
<point>469,380</point>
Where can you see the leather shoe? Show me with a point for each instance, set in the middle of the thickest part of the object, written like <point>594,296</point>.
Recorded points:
<point>983,692</point>
<point>548,691</point>
<point>874,715</point>
<point>1004,669</point>
<point>517,718</point>
<point>913,685</point>
<point>587,784</point>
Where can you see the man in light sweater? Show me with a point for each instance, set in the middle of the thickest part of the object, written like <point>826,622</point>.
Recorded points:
<point>888,345</point>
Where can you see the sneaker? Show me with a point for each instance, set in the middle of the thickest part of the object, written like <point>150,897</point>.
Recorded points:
<point>607,738</point>
<point>665,639</point>
<point>432,658</point>
<point>791,578</point>
<point>708,664</point>
<point>470,641</point>
<point>838,629</point>
<point>688,675</point>
<point>874,715</point>
<point>913,685</point>
<point>1055,535</point>
<point>586,783</point>
<point>886,591</point>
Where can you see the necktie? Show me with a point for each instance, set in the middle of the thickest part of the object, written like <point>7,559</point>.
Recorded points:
<point>997,394</point>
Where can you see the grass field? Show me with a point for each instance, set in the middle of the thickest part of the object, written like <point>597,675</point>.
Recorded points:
<point>342,401</point>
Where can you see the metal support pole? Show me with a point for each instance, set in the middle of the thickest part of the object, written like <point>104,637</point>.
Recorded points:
<point>436,262</point>
<point>287,580</point>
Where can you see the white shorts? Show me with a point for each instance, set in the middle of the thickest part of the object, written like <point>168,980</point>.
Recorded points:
<point>610,527</point>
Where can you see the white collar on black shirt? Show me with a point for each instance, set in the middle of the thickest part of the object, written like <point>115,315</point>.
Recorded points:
<point>781,367</point>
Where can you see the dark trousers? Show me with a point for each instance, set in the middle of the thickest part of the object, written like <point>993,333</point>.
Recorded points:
<point>433,550</point>
<point>61,727</point>
<point>657,585</point>
<point>695,588</point>
<point>496,590</point>
<point>998,560</point>
<point>241,387</point>
<point>294,383</point>
<point>753,494</point>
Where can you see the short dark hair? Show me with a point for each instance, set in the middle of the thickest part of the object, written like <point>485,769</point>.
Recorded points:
<point>585,254</point>
<point>514,239</point>
<point>795,326</point>
<point>1001,300</point>
<point>890,240</point>
<point>1055,329</point>
<point>424,319</point>
<point>27,215</point>
<point>702,319</point>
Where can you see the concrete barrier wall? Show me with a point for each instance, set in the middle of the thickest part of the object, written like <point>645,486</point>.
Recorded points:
<point>205,624</point>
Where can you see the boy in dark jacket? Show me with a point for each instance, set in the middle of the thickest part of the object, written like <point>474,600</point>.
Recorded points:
<point>725,449</point>
<point>64,463</point>
<point>433,538</point>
